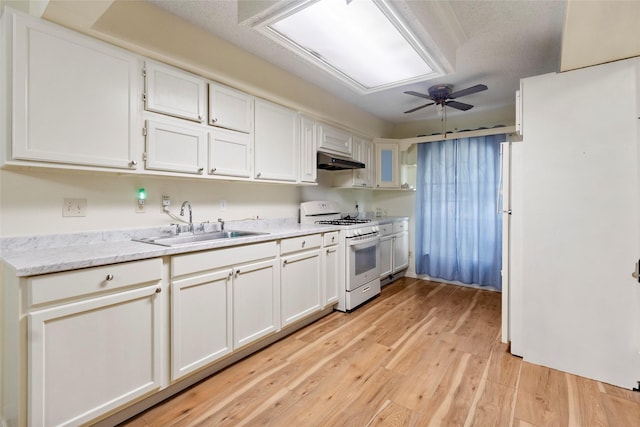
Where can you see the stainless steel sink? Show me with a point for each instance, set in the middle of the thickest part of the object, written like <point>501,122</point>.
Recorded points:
<point>197,238</point>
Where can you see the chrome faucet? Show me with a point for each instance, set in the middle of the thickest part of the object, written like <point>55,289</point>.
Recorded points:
<point>186,203</point>
<point>221,221</point>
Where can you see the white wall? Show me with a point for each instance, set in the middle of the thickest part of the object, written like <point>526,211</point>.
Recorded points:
<point>32,199</point>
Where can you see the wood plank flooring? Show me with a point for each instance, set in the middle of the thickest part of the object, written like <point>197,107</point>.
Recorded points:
<point>423,353</point>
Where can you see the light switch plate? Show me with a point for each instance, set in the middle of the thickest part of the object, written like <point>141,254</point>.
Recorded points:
<point>74,207</point>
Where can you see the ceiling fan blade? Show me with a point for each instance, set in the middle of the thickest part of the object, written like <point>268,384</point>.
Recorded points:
<point>418,108</point>
<point>459,105</point>
<point>421,95</point>
<point>467,91</point>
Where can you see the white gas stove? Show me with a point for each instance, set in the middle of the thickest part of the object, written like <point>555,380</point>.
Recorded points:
<point>359,247</point>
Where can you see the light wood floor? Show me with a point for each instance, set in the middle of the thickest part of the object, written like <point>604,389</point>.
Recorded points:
<point>421,354</point>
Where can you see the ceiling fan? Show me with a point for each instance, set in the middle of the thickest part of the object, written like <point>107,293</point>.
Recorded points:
<point>441,95</point>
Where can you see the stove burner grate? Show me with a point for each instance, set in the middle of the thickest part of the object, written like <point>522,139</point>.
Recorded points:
<point>344,221</point>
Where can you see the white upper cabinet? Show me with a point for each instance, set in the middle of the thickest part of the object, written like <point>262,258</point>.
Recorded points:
<point>230,153</point>
<point>358,178</point>
<point>174,92</point>
<point>276,142</point>
<point>230,108</point>
<point>387,165</point>
<point>308,149</point>
<point>335,140</point>
<point>73,98</point>
<point>175,146</point>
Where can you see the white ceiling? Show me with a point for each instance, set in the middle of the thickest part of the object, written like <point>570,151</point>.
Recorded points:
<point>503,42</point>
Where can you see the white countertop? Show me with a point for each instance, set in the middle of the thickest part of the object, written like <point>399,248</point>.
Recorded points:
<point>34,255</point>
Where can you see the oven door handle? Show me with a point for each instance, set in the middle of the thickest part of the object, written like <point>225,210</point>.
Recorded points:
<point>362,244</point>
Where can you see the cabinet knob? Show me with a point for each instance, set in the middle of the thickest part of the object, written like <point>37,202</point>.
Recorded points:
<point>158,290</point>
<point>285,262</point>
<point>214,120</point>
<point>303,243</point>
<point>200,117</point>
<point>258,174</point>
<point>109,277</point>
<point>213,170</point>
<point>133,164</point>
<point>200,170</point>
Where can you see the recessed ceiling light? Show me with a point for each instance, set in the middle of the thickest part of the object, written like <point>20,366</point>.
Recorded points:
<point>364,43</point>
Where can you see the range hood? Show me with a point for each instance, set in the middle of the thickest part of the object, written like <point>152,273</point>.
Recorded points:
<point>332,162</point>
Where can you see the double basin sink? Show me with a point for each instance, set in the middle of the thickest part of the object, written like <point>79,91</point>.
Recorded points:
<point>197,238</point>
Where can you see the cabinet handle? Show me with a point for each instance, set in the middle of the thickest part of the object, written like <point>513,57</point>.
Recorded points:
<point>133,164</point>
<point>213,170</point>
<point>214,120</point>
<point>109,277</point>
<point>237,273</point>
<point>333,239</point>
<point>303,243</point>
<point>285,262</point>
<point>258,174</point>
<point>200,170</point>
<point>200,117</point>
<point>158,290</point>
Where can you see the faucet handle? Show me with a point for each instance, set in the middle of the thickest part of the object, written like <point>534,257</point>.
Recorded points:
<point>221,221</point>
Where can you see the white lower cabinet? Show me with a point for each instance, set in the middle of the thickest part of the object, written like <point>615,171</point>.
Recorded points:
<point>394,248</point>
<point>300,277</point>
<point>400,251</point>
<point>400,245</point>
<point>201,327</point>
<point>90,356</point>
<point>330,268</point>
<point>386,256</point>
<point>222,299</point>
<point>255,301</point>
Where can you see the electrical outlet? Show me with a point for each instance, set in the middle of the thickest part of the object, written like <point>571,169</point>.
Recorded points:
<point>140,206</point>
<point>166,201</point>
<point>74,207</point>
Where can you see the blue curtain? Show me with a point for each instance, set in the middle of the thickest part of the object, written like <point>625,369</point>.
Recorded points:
<point>458,224</point>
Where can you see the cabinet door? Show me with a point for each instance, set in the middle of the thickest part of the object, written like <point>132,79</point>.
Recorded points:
<point>330,278</point>
<point>230,108</point>
<point>73,97</point>
<point>300,285</point>
<point>387,165</point>
<point>335,140</point>
<point>363,152</point>
<point>230,153</point>
<point>400,251</point>
<point>276,142</point>
<point>174,92</point>
<point>256,305</point>
<point>201,321</point>
<point>308,150</point>
<point>386,256</point>
<point>90,357</point>
<point>175,148</point>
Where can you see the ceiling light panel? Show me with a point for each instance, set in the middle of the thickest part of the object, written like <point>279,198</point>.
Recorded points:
<point>361,42</point>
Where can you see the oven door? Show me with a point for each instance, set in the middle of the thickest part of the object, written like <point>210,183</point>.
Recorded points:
<point>363,261</point>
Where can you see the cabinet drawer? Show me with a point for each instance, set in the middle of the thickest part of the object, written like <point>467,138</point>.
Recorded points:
<point>79,283</point>
<point>218,258</point>
<point>330,238</point>
<point>300,243</point>
<point>400,226</point>
<point>386,229</point>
